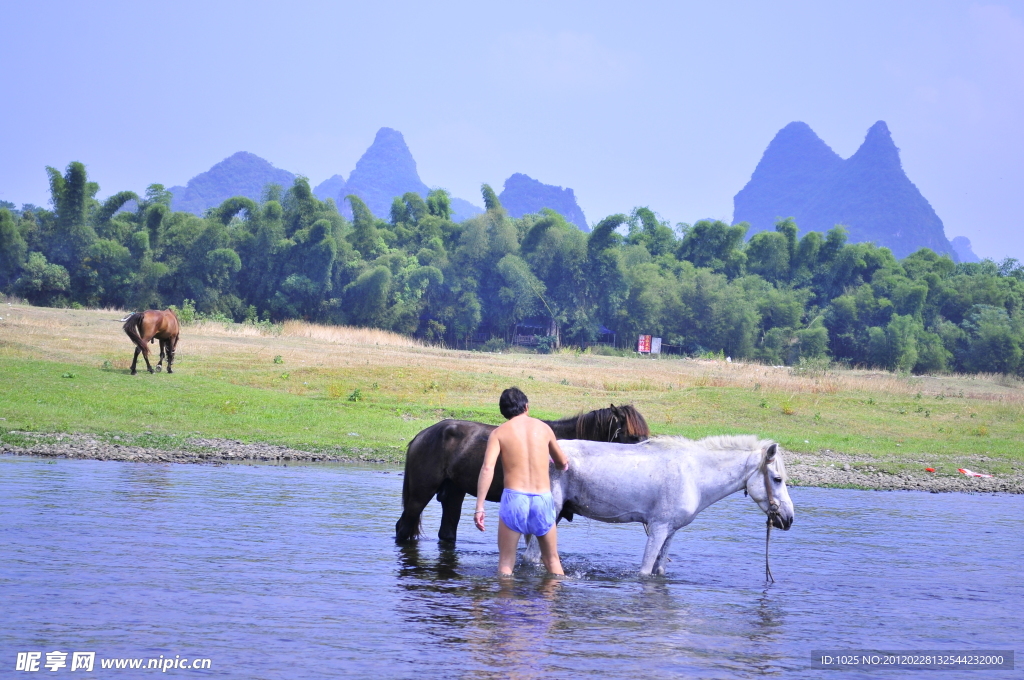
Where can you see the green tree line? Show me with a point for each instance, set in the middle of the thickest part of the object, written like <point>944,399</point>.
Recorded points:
<point>777,298</point>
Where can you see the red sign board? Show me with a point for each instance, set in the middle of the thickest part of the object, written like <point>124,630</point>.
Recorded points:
<point>644,345</point>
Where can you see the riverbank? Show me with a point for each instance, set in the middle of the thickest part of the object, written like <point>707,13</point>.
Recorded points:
<point>301,392</point>
<point>822,469</point>
<point>191,450</point>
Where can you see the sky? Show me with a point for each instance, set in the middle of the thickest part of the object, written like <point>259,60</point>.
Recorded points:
<point>666,105</point>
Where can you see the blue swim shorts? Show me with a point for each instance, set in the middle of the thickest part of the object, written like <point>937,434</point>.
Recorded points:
<point>527,513</point>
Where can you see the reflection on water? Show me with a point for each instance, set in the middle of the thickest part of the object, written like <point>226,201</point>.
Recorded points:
<point>291,572</point>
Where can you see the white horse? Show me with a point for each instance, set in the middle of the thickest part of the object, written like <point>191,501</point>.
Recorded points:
<point>665,482</point>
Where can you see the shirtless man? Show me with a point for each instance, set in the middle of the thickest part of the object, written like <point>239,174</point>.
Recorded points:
<point>524,444</point>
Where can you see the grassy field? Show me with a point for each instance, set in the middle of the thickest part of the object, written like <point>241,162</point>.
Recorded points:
<point>313,387</point>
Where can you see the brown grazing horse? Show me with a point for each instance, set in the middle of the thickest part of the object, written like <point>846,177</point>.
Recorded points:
<point>144,327</point>
<point>445,460</point>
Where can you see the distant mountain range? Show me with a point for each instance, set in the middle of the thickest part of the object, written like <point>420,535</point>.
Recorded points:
<point>243,174</point>
<point>385,171</point>
<point>523,195</point>
<point>962,246</point>
<point>799,176</point>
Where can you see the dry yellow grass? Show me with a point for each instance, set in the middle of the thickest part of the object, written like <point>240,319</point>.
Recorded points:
<point>87,336</point>
<point>340,335</point>
<point>347,335</point>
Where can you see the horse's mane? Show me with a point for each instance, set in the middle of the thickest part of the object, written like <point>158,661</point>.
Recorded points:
<point>725,442</point>
<point>635,423</point>
<point>601,423</point>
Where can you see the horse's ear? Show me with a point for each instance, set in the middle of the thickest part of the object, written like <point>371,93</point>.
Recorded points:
<point>772,450</point>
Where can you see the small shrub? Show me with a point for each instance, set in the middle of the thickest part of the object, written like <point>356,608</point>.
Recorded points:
<point>495,345</point>
<point>265,327</point>
<point>787,409</point>
<point>609,351</point>
<point>546,344</point>
<point>69,375</point>
<point>356,395</point>
<point>814,367</point>
<point>187,314</point>
<point>278,359</point>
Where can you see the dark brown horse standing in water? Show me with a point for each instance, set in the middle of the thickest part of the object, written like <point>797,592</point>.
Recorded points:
<point>445,460</point>
<point>144,327</point>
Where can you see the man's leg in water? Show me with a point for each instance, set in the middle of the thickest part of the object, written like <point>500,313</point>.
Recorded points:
<point>508,541</point>
<point>549,551</point>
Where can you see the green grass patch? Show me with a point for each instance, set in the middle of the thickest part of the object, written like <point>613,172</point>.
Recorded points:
<point>163,411</point>
<point>361,408</point>
<point>881,424</point>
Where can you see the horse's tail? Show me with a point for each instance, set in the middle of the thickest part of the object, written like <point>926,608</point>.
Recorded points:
<point>421,460</point>
<point>407,528</point>
<point>132,328</point>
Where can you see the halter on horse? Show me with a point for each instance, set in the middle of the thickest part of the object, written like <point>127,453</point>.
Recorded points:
<point>665,482</point>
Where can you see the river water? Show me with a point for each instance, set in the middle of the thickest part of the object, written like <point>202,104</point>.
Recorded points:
<point>291,572</point>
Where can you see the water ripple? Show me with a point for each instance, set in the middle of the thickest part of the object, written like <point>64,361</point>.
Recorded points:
<point>291,572</point>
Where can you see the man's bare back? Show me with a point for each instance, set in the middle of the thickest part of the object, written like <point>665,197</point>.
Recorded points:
<point>525,445</point>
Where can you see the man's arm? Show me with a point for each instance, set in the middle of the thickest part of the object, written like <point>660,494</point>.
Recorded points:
<point>557,455</point>
<point>483,484</point>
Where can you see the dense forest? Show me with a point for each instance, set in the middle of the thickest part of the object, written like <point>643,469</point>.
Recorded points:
<point>776,298</point>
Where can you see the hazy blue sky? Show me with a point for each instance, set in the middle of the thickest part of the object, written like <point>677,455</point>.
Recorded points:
<point>668,105</point>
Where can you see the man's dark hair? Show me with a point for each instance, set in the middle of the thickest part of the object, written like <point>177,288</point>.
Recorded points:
<point>512,402</point>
